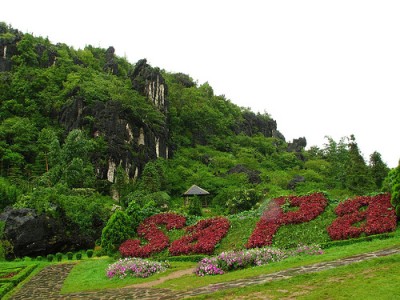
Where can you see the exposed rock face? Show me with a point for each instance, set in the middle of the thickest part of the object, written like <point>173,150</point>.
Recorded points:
<point>32,234</point>
<point>253,176</point>
<point>131,142</point>
<point>149,82</point>
<point>111,65</point>
<point>297,146</point>
<point>8,46</point>
<point>257,123</point>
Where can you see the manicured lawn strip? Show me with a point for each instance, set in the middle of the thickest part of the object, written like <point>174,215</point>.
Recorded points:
<point>190,282</point>
<point>373,279</point>
<point>90,275</point>
<point>5,287</point>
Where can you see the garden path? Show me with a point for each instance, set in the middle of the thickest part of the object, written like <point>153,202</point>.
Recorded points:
<point>47,283</point>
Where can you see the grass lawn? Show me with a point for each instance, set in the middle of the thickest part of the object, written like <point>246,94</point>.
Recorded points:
<point>89,275</point>
<point>191,282</point>
<point>374,279</point>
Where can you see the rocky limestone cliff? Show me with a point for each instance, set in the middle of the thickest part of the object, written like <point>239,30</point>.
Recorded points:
<point>8,46</point>
<point>131,142</point>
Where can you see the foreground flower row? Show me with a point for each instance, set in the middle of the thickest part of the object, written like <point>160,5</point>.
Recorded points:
<point>135,267</point>
<point>233,260</point>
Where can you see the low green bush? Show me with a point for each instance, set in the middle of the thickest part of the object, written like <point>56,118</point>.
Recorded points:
<point>59,256</point>
<point>78,256</point>
<point>89,253</point>
<point>70,255</point>
<point>39,258</point>
<point>50,257</point>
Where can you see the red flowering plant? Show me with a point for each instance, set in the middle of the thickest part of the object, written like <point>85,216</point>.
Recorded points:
<point>309,207</point>
<point>364,214</point>
<point>201,237</point>
<point>149,230</point>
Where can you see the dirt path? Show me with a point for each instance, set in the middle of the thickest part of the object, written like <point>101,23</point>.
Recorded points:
<point>172,275</point>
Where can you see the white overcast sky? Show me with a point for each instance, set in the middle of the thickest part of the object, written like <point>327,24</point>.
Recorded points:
<point>319,68</point>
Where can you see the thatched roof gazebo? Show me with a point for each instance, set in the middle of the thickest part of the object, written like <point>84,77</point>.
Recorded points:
<point>194,190</point>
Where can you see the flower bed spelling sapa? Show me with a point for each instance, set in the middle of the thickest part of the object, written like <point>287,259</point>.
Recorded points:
<point>362,215</point>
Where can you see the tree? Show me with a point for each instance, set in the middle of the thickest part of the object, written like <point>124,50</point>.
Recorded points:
<point>358,178</point>
<point>392,184</point>
<point>379,170</point>
<point>117,230</point>
<point>121,183</point>
<point>48,145</point>
<point>8,193</point>
<point>338,156</point>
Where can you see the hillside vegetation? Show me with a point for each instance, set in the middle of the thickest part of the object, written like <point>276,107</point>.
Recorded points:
<point>83,130</point>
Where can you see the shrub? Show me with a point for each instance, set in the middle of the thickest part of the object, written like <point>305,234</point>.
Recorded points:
<point>78,256</point>
<point>50,257</point>
<point>70,255</point>
<point>117,230</point>
<point>59,256</point>
<point>39,258</point>
<point>89,253</point>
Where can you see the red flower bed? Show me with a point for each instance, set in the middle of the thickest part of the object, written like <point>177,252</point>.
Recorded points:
<point>378,217</point>
<point>310,206</point>
<point>201,237</point>
<point>157,240</point>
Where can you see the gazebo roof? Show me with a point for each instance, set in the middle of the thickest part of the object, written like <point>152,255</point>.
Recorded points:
<point>194,190</point>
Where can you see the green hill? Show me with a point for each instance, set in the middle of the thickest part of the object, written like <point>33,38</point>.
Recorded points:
<point>83,130</point>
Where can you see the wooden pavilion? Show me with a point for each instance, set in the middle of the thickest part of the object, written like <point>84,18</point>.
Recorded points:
<point>194,190</point>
